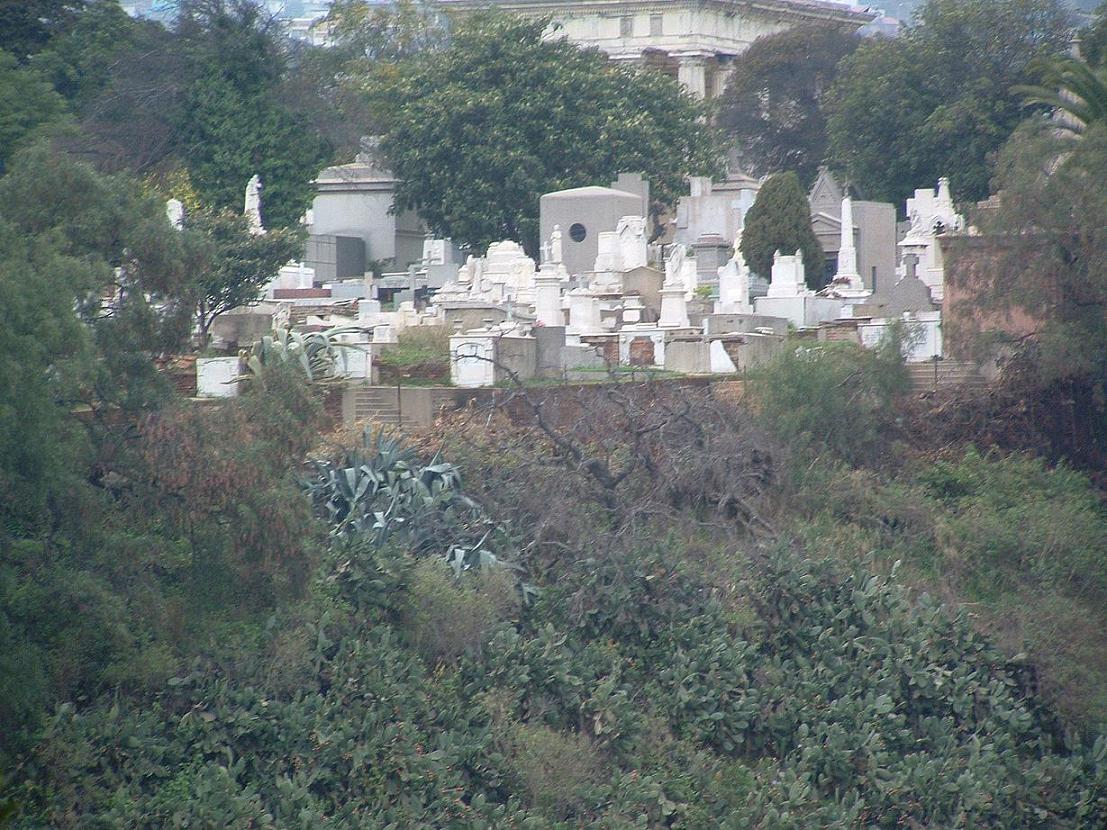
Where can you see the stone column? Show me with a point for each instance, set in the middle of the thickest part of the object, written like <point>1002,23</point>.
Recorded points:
<point>547,297</point>
<point>692,74</point>
<point>848,276</point>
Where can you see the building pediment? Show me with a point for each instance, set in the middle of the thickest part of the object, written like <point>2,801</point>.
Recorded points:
<point>824,223</point>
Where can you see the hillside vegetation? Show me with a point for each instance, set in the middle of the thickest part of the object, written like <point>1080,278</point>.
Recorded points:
<point>662,612</point>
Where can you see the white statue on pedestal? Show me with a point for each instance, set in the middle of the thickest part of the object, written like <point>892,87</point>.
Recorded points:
<point>674,265</point>
<point>734,284</point>
<point>252,205</point>
<point>174,209</point>
<point>555,245</point>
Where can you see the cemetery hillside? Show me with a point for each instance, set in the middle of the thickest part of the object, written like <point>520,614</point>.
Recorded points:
<point>608,413</point>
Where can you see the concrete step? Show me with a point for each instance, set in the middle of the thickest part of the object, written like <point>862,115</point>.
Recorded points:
<point>947,374</point>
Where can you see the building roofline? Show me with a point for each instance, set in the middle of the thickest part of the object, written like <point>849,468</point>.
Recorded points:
<point>798,9</point>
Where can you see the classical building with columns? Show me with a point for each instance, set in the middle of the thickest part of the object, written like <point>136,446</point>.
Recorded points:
<point>694,40</point>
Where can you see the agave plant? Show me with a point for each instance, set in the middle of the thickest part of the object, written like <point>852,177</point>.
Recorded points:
<point>315,353</point>
<point>381,491</point>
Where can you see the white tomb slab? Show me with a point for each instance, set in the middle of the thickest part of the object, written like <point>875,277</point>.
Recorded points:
<point>471,360</point>
<point>175,212</point>
<point>924,334</point>
<point>216,377</point>
<point>584,312</point>
<point>354,357</point>
<point>790,298</point>
<point>788,278</point>
<point>607,257</point>
<point>674,307</point>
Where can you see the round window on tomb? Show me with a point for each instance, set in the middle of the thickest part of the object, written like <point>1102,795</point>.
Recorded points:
<point>577,232</point>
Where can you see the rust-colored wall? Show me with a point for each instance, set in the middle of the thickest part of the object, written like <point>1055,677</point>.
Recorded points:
<point>973,287</point>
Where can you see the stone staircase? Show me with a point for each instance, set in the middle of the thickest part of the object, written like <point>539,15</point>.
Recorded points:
<point>378,404</point>
<point>945,374</point>
<point>411,407</point>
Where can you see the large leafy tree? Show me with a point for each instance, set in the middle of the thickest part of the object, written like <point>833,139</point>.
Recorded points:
<point>939,100</point>
<point>96,286</point>
<point>28,105</point>
<point>477,131</point>
<point>235,264</point>
<point>26,26</point>
<point>780,220</point>
<point>1042,255</point>
<point>772,107</point>
<point>232,123</point>
<point>359,29</point>
<point>131,292</point>
<point>80,59</point>
<point>363,37</point>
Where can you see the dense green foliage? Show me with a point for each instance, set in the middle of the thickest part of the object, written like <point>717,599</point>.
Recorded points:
<point>28,105</point>
<point>772,109</point>
<point>628,606</point>
<point>122,516</point>
<point>837,399</point>
<point>1093,39</point>
<point>667,666</point>
<point>212,94</point>
<point>232,123</point>
<point>938,100</point>
<point>780,220</point>
<point>478,131</point>
<point>26,26</point>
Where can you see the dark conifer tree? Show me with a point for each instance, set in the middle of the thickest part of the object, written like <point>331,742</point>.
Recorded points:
<point>780,220</point>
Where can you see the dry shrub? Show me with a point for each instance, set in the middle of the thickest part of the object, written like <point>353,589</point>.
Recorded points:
<point>556,768</point>
<point>449,617</point>
<point>587,468</point>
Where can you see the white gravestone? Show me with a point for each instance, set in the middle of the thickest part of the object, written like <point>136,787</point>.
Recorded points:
<point>631,232</point>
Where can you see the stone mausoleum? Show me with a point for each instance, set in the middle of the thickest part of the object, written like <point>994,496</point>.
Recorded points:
<point>696,41</point>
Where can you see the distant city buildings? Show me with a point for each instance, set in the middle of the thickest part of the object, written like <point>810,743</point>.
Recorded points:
<point>300,16</point>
